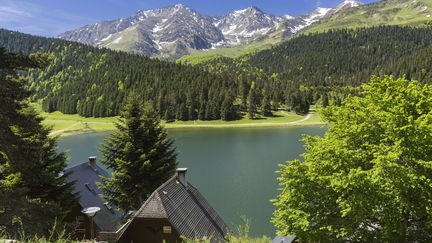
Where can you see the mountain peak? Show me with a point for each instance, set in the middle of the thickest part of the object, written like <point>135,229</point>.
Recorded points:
<point>175,29</point>
<point>179,6</point>
<point>251,9</point>
<point>347,4</point>
<point>255,9</point>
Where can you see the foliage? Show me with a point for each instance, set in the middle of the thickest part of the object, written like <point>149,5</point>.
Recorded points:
<point>33,190</point>
<point>241,236</point>
<point>140,154</point>
<point>57,234</point>
<point>95,81</point>
<point>369,179</point>
<point>294,75</point>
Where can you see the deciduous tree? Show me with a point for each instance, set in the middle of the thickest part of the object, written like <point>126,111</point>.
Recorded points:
<point>369,179</point>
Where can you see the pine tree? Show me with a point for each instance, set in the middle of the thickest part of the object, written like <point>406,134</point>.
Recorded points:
<point>266,105</point>
<point>252,102</point>
<point>228,109</point>
<point>140,154</point>
<point>33,191</point>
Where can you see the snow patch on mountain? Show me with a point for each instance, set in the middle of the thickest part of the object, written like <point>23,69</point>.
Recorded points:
<point>179,29</point>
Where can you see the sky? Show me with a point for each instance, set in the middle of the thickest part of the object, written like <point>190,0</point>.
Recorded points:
<point>52,17</point>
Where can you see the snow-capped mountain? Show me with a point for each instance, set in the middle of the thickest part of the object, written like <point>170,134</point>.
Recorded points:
<point>165,32</point>
<point>245,25</point>
<point>346,4</point>
<point>174,31</point>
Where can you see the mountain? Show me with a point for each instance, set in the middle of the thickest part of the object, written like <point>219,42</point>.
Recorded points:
<point>345,5</point>
<point>245,25</point>
<point>291,26</point>
<point>385,12</point>
<point>175,31</point>
<point>166,32</point>
<point>96,82</point>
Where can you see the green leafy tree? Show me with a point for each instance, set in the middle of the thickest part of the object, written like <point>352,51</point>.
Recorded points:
<point>33,190</point>
<point>369,179</point>
<point>140,154</point>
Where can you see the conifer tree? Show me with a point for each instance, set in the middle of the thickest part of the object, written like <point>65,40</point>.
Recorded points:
<point>266,105</point>
<point>228,109</point>
<point>140,154</point>
<point>252,101</point>
<point>34,193</point>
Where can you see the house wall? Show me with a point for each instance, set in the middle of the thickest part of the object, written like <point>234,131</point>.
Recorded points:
<point>149,231</point>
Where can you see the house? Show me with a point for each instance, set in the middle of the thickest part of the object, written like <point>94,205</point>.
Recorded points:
<point>107,221</point>
<point>174,210</point>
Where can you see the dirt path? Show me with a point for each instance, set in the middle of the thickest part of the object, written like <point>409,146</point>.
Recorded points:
<point>256,124</point>
<point>62,130</point>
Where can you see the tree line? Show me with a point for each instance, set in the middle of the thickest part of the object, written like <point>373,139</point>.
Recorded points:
<point>310,69</point>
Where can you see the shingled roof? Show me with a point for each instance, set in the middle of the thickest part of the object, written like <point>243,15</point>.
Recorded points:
<point>186,209</point>
<point>85,177</point>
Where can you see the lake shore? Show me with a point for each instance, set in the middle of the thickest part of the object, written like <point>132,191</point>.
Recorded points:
<point>68,125</point>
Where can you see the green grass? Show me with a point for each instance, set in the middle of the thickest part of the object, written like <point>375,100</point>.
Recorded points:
<point>64,125</point>
<point>396,12</point>
<point>197,57</point>
<point>124,42</point>
<point>280,118</point>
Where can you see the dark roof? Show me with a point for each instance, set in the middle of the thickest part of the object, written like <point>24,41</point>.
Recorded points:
<point>284,239</point>
<point>108,218</point>
<point>186,209</point>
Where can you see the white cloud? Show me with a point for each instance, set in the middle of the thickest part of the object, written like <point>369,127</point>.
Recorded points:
<point>31,18</point>
<point>13,11</point>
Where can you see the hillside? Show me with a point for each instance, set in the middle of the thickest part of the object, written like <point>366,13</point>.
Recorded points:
<point>320,68</point>
<point>349,57</point>
<point>96,82</point>
<point>388,12</point>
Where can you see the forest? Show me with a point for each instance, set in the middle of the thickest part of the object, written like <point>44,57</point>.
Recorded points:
<point>309,69</point>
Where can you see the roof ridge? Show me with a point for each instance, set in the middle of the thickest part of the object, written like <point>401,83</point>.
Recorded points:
<point>153,195</point>
<point>74,166</point>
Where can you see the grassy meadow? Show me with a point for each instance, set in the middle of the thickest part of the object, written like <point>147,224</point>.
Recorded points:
<point>65,125</point>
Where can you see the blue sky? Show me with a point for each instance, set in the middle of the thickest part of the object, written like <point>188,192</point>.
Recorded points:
<point>52,17</point>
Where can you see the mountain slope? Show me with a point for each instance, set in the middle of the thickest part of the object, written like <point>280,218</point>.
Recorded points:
<point>91,81</point>
<point>245,25</point>
<point>167,32</point>
<point>386,12</point>
<point>96,81</point>
<point>349,56</point>
<point>353,14</point>
<point>178,30</point>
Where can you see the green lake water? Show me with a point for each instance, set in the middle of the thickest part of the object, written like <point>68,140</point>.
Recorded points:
<point>233,168</point>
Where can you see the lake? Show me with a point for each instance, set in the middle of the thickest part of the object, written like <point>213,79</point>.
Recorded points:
<point>233,168</point>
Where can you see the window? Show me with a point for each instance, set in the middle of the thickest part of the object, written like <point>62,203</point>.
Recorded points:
<point>167,230</point>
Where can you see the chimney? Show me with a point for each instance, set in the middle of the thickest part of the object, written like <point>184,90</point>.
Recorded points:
<point>92,162</point>
<point>181,175</point>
